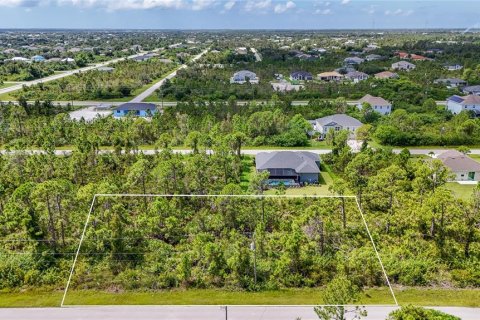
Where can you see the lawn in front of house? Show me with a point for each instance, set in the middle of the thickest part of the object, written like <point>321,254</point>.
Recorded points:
<point>461,191</point>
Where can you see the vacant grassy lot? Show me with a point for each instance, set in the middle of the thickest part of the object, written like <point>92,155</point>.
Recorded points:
<point>417,296</point>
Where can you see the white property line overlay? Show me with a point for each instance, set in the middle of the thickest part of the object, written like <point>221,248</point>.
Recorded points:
<point>140,195</point>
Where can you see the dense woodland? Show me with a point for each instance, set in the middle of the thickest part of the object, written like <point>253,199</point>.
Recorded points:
<point>425,235</point>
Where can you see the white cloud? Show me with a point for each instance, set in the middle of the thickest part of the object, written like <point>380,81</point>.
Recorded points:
<point>324,11</point>
<point>281,8</point>
<point>202,4</point>
<point>229,5</point>
<point>345,1</point>
<point>19,3</point>
<point>399,12</point>
<point>370,9</point>
<point>251,5</point>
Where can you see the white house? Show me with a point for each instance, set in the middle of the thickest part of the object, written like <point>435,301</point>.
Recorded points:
<point>462,166</point>
<point>453,67</point>
<point>241,77</point>
<point>457,104</point>
<point>403,65</point>
<point>336,122</point>
<point>378,104</point>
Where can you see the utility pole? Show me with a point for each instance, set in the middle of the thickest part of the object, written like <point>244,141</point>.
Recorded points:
<point>253,247</point>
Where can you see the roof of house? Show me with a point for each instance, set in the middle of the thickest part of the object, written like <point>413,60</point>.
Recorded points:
<point>354,59</point>
<point>458,161</point>
<point>245,73</point>
<point>135,106</point>
<point>330,74</point>
<point>386,75</point>
<point>450,80</point>
<point>301,162</point>
<point>300,73</point>
<point>374,101</point>
<point>357,74</point>
<point>472,89</point>
<point>403,63</point>
<point>341,119</point>
<point>467,100</point>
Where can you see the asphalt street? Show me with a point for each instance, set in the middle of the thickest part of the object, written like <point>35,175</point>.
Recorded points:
<point>198,313</point>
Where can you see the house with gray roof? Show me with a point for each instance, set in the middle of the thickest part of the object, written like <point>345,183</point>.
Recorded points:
<point>378,104</point>
<point>457,104</point>
<point>403,65</point>
<point>353,60</point>
<point>301,76</point>
<point>242,76</point>
<point>451,82</point>
<point>289,167</point>
<point>356,76</point>
<point>336,122</point>
<point>462,166</point>
<point>472,90</point>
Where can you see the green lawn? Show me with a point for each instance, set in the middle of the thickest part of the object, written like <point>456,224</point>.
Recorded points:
<point>462,191</point>
<point>7,84</point>
<point>308,296</point>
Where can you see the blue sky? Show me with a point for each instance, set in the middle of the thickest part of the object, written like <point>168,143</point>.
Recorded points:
<point>238,14</point>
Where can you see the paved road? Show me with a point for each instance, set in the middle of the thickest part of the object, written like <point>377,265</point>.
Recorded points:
<point>142,96</point>
<point>63,74</point>
<point>258,57</point>
<point>198,313</point>
<point>251,152</point>
<point>174,103</point>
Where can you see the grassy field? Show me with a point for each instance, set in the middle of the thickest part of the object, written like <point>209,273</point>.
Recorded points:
<point>7,84</point>
<point>462,191</point>
<point>374,296</point>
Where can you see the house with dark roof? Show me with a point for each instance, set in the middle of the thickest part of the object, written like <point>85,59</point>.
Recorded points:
<point>378,104</point>
<point>139,109</point>
<point>301,76</point>
<point>472,90</point>
<point>38,58</point>
<point>373,57</point>
<point>336,122</point>
<point>289,167</point>
<point>462,166</point>
<point>353,60</point>
<point>457,104</point>
<point>242,76</point>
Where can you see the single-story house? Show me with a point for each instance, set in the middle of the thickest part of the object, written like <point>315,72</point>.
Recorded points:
<point>68,60</point>
<point>373,57</point>
<point>336,122</point>
<point>139,109</point>
<point>241,50</point>
<point>403,65</point>
<point>353,60</point>
<point>453,67</point>
<point>386,75</point>
<point>356,76</point>
<point>472,90</point>
<point>457,104</point>
<point>378,104</point>
<point>463,167</point>
<point>38,58</point>
<point>330,76</point>
<point>417,57</point>
<point>289,167</point>
<point>285,86</point>
<point>300,76</point>
<point>242,76</point>
<point>451,82</point>
<point>22,59</point>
